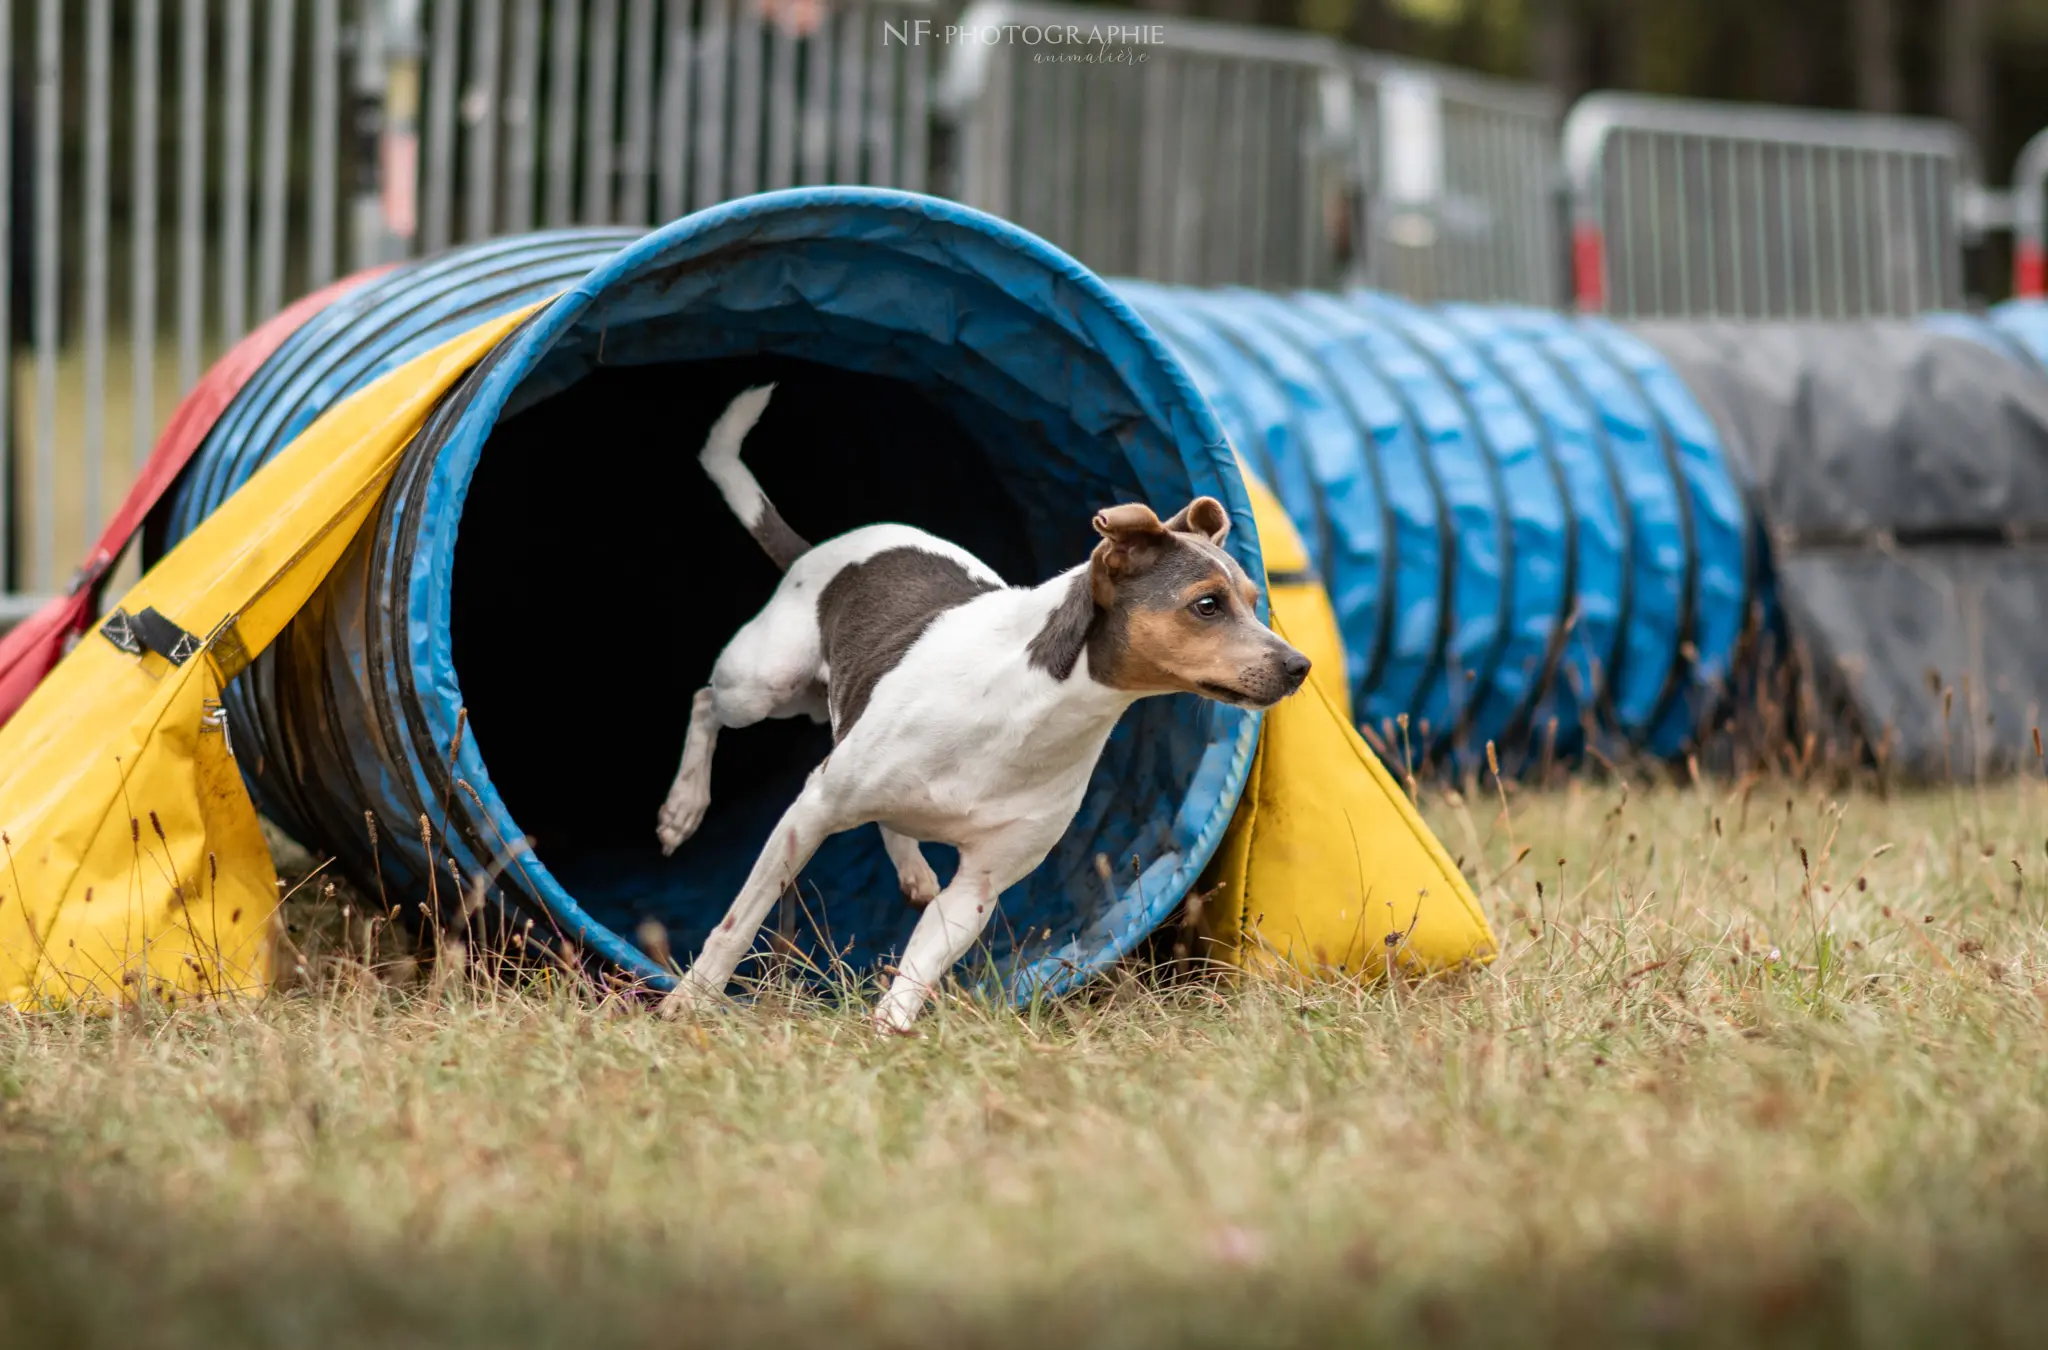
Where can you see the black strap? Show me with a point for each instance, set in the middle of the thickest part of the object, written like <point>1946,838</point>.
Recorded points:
<point>1304,577</point>
<point>149,631</point>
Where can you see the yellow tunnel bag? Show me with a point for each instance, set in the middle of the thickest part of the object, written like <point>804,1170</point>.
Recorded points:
<point>133,858</point>
<point>1328,868</point>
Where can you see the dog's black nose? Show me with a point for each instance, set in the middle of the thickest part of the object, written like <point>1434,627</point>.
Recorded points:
<point>1296,668</point>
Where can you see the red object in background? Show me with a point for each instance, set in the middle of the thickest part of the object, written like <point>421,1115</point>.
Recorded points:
<point>2029,270</point>
<point>796,18</point>
<point>1589,268</point>
<point>34,646</point>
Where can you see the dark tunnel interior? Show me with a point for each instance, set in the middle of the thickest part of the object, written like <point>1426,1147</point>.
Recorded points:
<point>597,576</point>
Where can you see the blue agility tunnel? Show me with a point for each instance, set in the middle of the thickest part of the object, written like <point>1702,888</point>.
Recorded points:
<point>1529,531</point>
<point>510,648</point>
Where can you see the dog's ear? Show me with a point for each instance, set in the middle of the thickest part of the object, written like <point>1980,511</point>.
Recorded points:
<point>1131,537</point>
<point>1127,523</point>
<point>1204,516</point>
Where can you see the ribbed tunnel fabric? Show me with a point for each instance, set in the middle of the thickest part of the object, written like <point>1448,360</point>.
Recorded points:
<point>1531,533</point>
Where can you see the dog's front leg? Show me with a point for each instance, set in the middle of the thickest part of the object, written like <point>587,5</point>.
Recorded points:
<point>690,795</point>
<point>950,926</point>
<point>803,827</point>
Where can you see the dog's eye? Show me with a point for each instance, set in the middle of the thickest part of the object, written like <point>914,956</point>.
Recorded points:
<point>1208,607</point>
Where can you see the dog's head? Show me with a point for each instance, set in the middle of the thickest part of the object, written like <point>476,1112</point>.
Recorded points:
<point>1179,614</point>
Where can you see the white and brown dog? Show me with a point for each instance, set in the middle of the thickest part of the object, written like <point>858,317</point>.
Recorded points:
<point>963,711</point>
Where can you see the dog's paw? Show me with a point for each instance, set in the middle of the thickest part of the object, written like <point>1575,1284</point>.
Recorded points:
<point>896,1012</point>
<point>687,998</point>
<point>920,884</point>
<point>894,1022</point>
<point>680,816</point>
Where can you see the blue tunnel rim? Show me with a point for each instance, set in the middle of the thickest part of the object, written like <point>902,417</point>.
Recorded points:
<point>329,353</point>
<point>283,393</point>
<point>1165,393</point>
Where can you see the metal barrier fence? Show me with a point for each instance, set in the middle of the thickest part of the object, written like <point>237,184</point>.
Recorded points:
<point>625,112</point>
<point>1688,208</point>
<point>2030,218</point>
<point>1202,153</point>
<point>1170,149</point>
<point>229,193</point>
<point>190,165</point>
<point>1462,185</point>
<point>182,168</point>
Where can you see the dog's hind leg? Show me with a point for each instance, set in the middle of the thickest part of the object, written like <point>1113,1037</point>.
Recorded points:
<point>690,794</point>
<point>913,873</point>
<point>807,823</point>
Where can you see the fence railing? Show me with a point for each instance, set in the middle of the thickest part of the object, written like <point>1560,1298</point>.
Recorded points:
<point>2030,218</point>
<point>632,112</point>
<point>175,176</point>
<point>1462,182</point>
<point>1686,208</point>
<point>179,169</point>
<point>1175,150</point>
<point>1205,153</point>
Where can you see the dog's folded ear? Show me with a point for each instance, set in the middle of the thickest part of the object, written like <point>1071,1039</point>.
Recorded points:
<point>1204,516</point>
<point>1127,523</point>
<point>1131,537</point>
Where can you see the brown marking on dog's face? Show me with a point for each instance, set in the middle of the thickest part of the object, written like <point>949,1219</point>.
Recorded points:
<point>1177,613</point>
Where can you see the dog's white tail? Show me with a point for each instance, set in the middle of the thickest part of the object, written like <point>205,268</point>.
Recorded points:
<point>737,484</point>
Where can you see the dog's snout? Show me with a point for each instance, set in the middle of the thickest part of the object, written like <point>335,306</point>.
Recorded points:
<point>1293,670</point>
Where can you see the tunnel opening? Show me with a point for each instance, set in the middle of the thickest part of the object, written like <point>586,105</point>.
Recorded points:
<point>633,570</point>
<point>508,650</point>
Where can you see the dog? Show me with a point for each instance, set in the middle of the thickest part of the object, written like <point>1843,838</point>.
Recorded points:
<point>963,710</point>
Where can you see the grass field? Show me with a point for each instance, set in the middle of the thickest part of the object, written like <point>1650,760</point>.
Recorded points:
<point>1758,1066</point>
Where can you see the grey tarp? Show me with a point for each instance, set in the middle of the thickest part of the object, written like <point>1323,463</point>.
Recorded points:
<point>1902,474</point>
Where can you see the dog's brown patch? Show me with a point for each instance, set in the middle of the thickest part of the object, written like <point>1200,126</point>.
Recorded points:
<point>1056,648</point>
<point>871,613</point>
